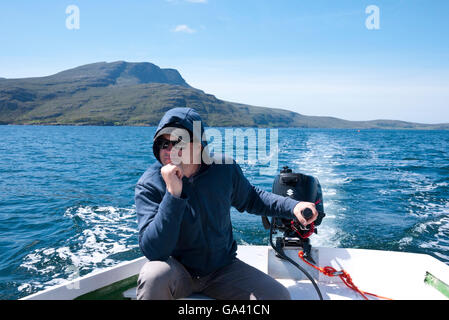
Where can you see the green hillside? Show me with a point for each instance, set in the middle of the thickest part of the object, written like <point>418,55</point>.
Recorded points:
<point>137,94</point>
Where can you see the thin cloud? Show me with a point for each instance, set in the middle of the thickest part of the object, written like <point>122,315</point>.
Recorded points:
<point>184,28</point>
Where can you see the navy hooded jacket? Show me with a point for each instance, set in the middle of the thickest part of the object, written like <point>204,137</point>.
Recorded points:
<point>196,228</point>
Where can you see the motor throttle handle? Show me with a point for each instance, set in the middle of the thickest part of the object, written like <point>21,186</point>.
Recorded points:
<point>307,213</point>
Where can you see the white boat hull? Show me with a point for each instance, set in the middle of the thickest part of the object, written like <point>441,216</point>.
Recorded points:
<point>397,275</point>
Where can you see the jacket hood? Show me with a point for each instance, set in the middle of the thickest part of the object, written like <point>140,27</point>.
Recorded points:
<point>186,118</point>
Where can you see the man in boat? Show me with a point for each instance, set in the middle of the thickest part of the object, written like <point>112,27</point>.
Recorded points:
<point>183,211</point>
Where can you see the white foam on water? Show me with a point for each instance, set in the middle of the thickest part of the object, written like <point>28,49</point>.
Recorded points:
<point>428,209</point>
<point>436,233</point>
<point>31,260</point>
<point>405,241</point>
<point>320,162</point>
<point>25,287</point>
<point>108,231</point>
<point>416,182</point>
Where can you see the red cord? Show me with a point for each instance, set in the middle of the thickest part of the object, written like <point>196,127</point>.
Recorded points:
<point>344,276</point>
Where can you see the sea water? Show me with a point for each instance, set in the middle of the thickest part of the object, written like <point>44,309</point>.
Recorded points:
<point>67,195</point>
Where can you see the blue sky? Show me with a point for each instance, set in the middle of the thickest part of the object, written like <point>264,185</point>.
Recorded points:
<point>313,57</point>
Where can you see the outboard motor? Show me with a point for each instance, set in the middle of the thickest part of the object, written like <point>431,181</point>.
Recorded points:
<point>300,187</point>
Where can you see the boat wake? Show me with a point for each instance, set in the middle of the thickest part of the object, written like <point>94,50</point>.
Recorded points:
<point>101,237</point>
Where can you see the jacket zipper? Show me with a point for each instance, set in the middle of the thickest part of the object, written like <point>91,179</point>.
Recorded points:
<point>191,181</point>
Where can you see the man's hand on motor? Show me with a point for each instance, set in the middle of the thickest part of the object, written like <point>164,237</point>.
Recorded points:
<point>172,176</point>
<point>300,207</point>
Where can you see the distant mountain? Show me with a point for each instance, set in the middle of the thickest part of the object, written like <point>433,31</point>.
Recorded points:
<point>120,73</point>
<point>124,93</point>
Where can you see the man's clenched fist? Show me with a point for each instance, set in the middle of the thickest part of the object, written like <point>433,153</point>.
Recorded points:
<point>300,207</point>
<point>172,176</point>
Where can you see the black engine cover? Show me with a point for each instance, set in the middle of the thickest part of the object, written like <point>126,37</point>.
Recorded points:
<point>300,187</point>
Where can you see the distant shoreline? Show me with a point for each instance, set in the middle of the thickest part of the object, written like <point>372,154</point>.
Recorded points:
<point>224,127</point>
<point>138,94</point>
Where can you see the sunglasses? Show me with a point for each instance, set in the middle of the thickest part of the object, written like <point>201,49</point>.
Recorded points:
<point>165,144</point>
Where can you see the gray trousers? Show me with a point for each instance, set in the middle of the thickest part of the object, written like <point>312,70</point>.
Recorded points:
<point>168,280</point>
